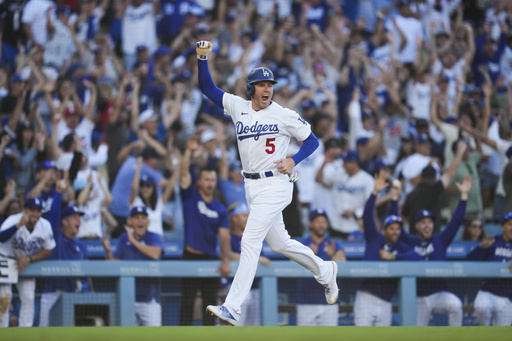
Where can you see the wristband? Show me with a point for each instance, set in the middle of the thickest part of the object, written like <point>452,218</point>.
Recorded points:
<point>202,57</point>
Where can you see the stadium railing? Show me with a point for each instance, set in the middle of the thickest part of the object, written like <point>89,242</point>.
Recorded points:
<point>126,271</point>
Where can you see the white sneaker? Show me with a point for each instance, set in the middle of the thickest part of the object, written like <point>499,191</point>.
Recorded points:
<point>331,289</point>
<point>222,313</point>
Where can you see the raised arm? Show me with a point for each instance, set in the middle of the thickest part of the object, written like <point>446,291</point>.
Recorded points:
<point>450,172</point>
<point>185,176</point>
<point>135,181</point>
<point>204,78</point>
<point>370,230</point>
<point>451,229</point>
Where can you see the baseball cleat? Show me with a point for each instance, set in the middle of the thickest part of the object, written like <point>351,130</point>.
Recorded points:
<point>222,313</point>
<point>331,288</point>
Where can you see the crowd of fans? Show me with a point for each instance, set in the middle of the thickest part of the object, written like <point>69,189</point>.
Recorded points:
<point>99,102</point>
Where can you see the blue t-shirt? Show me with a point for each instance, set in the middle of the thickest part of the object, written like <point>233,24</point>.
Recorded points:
<point>121,188</point>
<point>232,192</point>
<point>65,249</point>
<point>435,249</point>
<point>147,288</point>
<point>202,221</point>
<point>381,287</point>
<point>499,251</point>
<point>309,291</point>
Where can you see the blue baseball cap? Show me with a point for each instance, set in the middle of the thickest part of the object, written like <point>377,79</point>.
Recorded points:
<point>362,141</point>
<point>33,202</point>
<point>506,218</point>
<point>16,78</point>
<point>161,51</point>
<point>147,179</point>
<point>421,138</point>
<point>141,48</point>
<point>392,219</point>
<point>70,210</point>
<point>44,165</point>
<point>63,9</point>
<point>317,212</point>
<point>351,156</point>
<point>138,210</point>
<point>422,214</point>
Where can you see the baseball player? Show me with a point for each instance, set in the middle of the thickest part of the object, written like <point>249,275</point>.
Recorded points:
<point>251,307</point>
<point>141,245</point>
<point>67,247</point>
<point>493,302</point>
<point>263,131</point>
<point>372,305</point>
<point>433,296</point>
<point>311,307</point>
<point>26,237</point>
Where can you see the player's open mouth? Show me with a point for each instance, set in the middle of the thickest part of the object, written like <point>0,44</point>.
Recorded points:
<point>264,98</point>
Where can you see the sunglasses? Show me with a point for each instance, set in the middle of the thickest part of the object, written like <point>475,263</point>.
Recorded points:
<point>392,219</point>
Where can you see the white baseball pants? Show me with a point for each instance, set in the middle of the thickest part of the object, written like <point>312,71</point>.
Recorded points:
<point>27,290</point>
<point>370,310</point>
<point>149,314</point>
<point>266,199</point>
<point>48,300</point>
<point>442,302</point>
<point>493,310</point>
<point>317,315</point>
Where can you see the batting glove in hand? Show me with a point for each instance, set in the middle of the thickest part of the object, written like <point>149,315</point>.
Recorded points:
<point>202,49</point>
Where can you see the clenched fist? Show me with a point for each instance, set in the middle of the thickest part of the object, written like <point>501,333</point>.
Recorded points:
<point>202,49</point>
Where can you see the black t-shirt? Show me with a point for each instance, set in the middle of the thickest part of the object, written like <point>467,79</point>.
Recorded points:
<point>12,27</point>
<point>424,197</point>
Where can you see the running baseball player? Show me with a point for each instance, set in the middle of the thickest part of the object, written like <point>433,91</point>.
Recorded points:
<point>68,247</point>
<point>372,305</point>
<point>433,294</point>
<point>263,131</point>
<point>493,302</point>
<point>26,237</point>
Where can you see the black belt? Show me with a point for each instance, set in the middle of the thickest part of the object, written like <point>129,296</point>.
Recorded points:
<point>256,176</point>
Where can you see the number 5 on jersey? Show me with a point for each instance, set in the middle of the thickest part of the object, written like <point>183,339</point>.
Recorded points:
<point>270,146</point>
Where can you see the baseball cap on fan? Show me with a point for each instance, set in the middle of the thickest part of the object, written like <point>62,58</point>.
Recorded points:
<point>138,210</point>
<point>147,115</point>
<point>206,136</point>
<point>422,214</point>
<point>33,202</point>
<point>70,210</point>
<point>317,212</point>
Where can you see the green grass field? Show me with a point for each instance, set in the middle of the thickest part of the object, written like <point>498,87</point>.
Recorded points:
<point>258,333</point>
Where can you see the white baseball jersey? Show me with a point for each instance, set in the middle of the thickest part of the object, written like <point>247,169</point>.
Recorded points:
<point>263,136</point>
<point>349,193</point>
<point>24,243</point>
<point>139,28</point>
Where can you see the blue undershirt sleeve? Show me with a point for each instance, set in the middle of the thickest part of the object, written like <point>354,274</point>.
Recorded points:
<point>453,226</point>
<point>308,147</point>
<point>206,83</point>
<point>370,230</point>
<point>8,233</point>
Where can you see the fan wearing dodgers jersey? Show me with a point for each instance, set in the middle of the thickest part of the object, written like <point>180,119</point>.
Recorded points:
<point>493,302</point>
<point>26,237</point>
<point>433,294</point>
<point>372,305</point>
<point>141,245</point>
<point>68,247</point>
<point>263,131</point>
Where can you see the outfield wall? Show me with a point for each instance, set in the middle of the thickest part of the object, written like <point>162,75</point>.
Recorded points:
<point>121,298</point>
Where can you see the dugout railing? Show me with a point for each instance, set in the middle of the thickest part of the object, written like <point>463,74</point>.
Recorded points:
<point>125,273</point>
